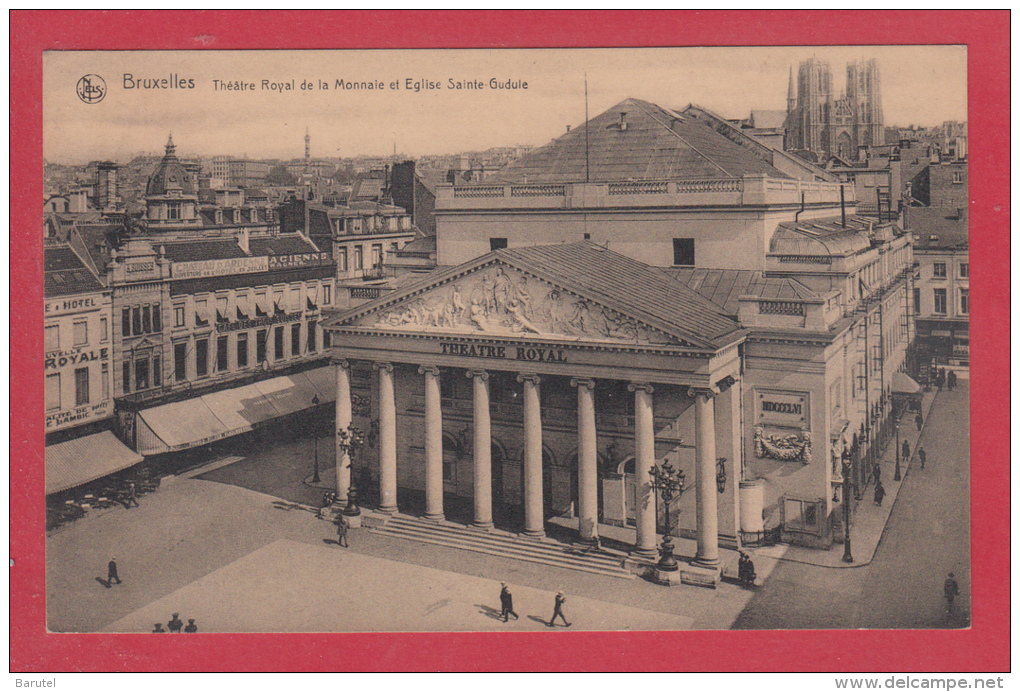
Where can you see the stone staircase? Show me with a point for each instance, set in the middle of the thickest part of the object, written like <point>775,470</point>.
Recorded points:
<point>544,551</point>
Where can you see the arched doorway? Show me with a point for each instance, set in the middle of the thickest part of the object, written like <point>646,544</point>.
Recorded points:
<point>559,486</point>
<point>845,147</point>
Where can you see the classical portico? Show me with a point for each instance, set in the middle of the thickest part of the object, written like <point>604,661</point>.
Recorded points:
<point>502,348</point>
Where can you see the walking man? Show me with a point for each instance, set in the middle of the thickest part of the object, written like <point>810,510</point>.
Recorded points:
<point>558,610</point>
<point>341,531</point>
<point>919,420</point>
<point>879,493</point>
<point>921,455</point>
<point>952,590</point>
<point>906,451</point>
<point>132,497</point>
<point>506,600</point>
<point>111,571</point>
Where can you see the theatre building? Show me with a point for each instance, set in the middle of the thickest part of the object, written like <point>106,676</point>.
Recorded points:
<point>652,286</point>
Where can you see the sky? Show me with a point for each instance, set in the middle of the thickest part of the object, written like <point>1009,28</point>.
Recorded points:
<point>922,85</point>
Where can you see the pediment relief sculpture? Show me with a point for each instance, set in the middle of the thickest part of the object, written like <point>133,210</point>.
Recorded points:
<point>503,301</point>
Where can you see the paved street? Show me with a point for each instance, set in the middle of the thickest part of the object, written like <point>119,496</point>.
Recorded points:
<point>213,544</point>
<point>928,535</point>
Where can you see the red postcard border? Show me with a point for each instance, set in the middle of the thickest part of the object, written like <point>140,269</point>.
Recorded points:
<point>984,647</point>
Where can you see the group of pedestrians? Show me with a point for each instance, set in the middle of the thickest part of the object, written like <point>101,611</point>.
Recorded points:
<point>176,625</point>
<point>506,601</point>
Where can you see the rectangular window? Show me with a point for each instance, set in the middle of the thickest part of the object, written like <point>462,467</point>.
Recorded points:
<point>125,322</point>
<point>242,350</point>
<point>341,259</point>
<point>917,301</point>
<point>938,270</point>
<point>201,357</point>
<point>136,320</point>
<point>964,270</point>
<point>104,329</point>
<point>53,392</point>
<point>964,301</point>
<point>157,373</point>
<point>295,340</point>
<point>221,309</point>
<point>359,262</point>
<point>261,304</point>
<point>683,252</point>
<point>221,354</point>
<point>52,338</point>
<point>178,315</point>
<point>157,318</point>
<point>312,324</point>
<point>278,343</point>
<point>327,294</point>
<point>940,301</point>
<point>201,313</point>
<point>376,255</point>
<point>957,177</point>
<point>181,361</point>
<point>876,358</point>
<point>105,383</point>
<point>126,376</point>
<point>146,319</point>
<point>142,373</point>
<point>497,244</point>
<point>260,345</point>
<point>326,339</point>
<point>81,332</point>
<point>173,211</point>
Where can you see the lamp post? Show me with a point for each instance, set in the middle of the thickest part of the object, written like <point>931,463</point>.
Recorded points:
<point>847,553</point>
<point>897,476</point>
<point>315,435</point>
<point>348,443</point>
<point>670,483</point>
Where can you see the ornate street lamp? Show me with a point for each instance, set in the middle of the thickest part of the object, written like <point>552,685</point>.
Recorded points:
<point>670,483</point>
<point>847,553</point>
<point>348,443</point>
<point>315,435</point>
<point>897,475</point>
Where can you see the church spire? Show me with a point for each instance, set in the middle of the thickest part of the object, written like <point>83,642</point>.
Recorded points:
<point>171,150</point>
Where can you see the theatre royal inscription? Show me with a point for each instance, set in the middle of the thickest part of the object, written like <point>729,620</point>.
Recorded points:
<point>536,354</point>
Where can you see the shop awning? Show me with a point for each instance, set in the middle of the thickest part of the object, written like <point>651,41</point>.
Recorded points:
<point>902,383</point>
<point>211,417</point>
<point>83,459</point>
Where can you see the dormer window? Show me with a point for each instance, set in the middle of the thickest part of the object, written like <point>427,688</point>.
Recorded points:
<point>237,216</point>
<point>219,216</point>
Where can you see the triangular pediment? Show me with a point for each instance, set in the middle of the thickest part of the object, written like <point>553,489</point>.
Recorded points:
<point>499,299</point>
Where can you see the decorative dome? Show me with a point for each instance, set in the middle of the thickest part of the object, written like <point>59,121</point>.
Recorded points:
<point>170,176</point>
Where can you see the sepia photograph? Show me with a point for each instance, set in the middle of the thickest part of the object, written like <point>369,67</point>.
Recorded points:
<point>539,341</point>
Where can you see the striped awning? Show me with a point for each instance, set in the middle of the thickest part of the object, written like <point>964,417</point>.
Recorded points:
<point>83,459</point>
<point>211,417</point>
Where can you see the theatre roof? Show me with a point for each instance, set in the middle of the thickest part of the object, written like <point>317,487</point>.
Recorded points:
<point>637,140</point>
<point>725,286</point>
<point>594,273</point>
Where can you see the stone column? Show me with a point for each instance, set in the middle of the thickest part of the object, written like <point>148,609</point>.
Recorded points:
<point>587,460</point>
<point>433,444</point>
<point>704,442</point>
<point>534,512</point>
<point>482,450</point>
<point>644,460</point>
<point>387,439</point>
<point>344,416</point>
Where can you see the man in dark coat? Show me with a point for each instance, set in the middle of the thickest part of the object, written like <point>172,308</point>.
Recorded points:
<point>175,624</point>
<point>906,450</point>
<point>921,455</point>
<point>111,571</point>
<point>879,493</point>
<point>951,589</point>
<point>192,627</point>
<point>506,600</point>
<point>558,610</point>
<point>132,497</point>
<point>919,420</point>
<point>745,569</point>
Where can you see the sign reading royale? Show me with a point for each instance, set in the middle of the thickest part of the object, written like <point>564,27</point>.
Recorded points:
<point>56,360</point>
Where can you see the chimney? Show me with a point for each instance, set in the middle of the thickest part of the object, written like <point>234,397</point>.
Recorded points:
<point>242,240</point>
<point>623,121</point>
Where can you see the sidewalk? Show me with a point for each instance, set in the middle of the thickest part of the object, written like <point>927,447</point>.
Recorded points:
<point>869,519</point>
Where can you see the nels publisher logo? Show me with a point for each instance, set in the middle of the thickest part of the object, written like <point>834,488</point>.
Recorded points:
<point>91,88</point>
